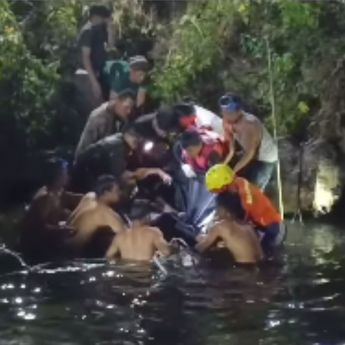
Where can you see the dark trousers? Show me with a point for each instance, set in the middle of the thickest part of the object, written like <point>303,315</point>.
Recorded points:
<point>258,173</point>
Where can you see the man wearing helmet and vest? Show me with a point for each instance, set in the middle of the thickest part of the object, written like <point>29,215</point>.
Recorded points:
<point>260,152</point>
<point>254,204</point>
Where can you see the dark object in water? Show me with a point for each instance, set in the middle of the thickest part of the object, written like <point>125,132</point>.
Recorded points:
<point>99,243</point>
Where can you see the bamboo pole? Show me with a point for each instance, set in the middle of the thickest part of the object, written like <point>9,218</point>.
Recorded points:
<point>274,121</point>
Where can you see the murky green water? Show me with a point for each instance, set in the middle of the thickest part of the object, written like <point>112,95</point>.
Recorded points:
<point>299,299</point>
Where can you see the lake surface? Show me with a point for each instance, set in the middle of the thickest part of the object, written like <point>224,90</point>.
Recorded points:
<point>296,299</point>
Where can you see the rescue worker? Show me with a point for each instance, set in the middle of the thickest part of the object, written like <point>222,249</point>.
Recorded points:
<point>202,149</point>
<point>260,152</point>
<point>110,156</point>
<point>256,207</point>
<point>239,239</point>
<point>191,115</point>
<point>107,119</point>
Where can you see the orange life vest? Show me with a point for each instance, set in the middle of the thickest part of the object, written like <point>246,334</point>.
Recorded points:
<point>256,204</point>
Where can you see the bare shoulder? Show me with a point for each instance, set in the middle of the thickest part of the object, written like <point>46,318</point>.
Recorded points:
<point>41,193</point>
<point>85,216</point>
<point>43,197</point>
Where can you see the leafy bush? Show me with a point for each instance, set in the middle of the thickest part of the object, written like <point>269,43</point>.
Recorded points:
<point>222,46</point>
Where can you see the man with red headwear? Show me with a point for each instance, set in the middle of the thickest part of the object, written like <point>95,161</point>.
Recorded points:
<point>189,115</point>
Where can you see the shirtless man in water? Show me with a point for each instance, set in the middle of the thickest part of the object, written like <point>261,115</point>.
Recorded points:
<point>140,243</point>
<point>95,212</point>
<point>43,228</point>
<point>240,240</point>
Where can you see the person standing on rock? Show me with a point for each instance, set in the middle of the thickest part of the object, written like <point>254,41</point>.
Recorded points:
<point>95,38</point>
<point>260,152</point>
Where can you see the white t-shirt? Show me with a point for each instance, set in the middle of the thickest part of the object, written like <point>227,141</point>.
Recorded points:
<point>206,118</point>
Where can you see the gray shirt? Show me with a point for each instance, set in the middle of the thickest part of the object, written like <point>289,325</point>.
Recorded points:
<point>101,123</point>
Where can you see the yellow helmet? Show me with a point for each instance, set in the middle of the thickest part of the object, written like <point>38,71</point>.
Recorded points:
<point>218,177</point>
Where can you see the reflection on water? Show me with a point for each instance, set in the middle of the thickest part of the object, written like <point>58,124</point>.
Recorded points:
<point>297,299</point>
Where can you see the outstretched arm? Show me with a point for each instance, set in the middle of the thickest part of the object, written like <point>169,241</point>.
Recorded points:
<point>142,173</point>
<point>231,151</point>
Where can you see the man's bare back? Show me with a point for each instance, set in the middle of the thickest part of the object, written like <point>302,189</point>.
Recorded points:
<point>138,243</point>
<point>88,221</point>
<point>240,240</point>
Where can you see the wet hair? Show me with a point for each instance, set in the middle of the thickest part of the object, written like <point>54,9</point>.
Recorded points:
<point>190,138</point>
<point>54,168</point>
<point>139,63</point>
<point>99,10</point>
<point>184,109</point>
<point>231,202</point>
<point>105,183</point>
<point>166,119</point>
<point>126,94</point>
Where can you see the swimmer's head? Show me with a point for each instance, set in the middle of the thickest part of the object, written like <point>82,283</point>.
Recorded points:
<point>229,206</point>
<point>191,142</point>
<point>141,213</point>
<point>231,107</point>
<point>108,189</point>
<point>57,173</point>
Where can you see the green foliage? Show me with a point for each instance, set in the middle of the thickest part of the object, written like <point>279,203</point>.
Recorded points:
<point>26,82</point>
<point>195,46</point>
<point>222,46</point>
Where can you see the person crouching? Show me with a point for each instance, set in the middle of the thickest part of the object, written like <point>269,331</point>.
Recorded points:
<point>256,206</point>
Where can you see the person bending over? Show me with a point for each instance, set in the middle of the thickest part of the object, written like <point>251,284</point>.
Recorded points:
<point>111,156</point>
<point>107,119</point>
<point>97,215</point>
<point>239,239</point>
<point>202,149</point>
<point>43,226</point>
<point>190,115</point>
<point>260,152</point>
<point>253,203</point>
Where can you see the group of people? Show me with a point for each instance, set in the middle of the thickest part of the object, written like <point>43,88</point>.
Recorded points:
<point>130,173</point>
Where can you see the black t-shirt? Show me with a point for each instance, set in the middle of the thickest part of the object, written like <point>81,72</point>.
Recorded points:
<point>144,126</point>
<point>107,156</point>
<point>94,37</point>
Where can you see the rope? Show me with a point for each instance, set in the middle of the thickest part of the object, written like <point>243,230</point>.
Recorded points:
<point>275,131</point>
